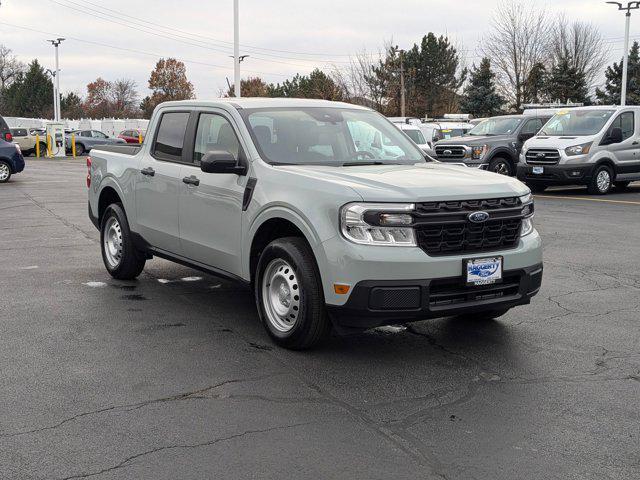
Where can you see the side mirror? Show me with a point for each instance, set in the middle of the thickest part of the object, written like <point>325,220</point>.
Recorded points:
<point>221,161</point>
<point>523,137</point>
<point>615,136</point>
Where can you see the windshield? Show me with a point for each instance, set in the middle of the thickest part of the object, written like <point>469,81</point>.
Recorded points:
<point>496,126</point>
<point>577,122</point>
<point>416,136</point>
<point>328,136</point>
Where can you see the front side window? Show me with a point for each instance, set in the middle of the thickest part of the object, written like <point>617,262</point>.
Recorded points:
<point>532,126</point>
<point>577,122</point>
<point>416,136</point>
<point>624,122</point>
<point>214,133</point>
<point>170,138</point>
<point>85,133</point>
<point>328,136</point>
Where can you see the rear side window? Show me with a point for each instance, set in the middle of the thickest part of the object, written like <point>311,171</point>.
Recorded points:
<point>19,132</point>
<point>170,138</point>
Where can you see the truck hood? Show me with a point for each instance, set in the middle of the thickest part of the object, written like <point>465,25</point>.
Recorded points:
<point>557,142</point>
<point>475,140</point>
<point>414,183</point>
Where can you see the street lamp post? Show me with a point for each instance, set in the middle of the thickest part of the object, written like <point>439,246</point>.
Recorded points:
<point>56,106</point>
<point>630,6</point>
<point>236,48</point>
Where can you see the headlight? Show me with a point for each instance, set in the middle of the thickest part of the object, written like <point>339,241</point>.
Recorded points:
<point>527,213</point>
<point>378,224</point>
<point>578,149</point>
<point>479,151</point>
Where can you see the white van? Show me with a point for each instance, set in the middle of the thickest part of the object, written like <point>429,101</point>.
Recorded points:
<point>594,146</point>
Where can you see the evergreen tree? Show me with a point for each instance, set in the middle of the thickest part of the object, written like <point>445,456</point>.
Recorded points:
<point>71,106</point>
<point>315,85</point>
<point>31,94</point>
<point>566,83</point>
<point>534,87</point>
<point>480,97</point>
<point>612,89</point>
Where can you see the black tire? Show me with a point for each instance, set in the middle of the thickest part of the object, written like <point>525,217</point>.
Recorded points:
<point>502,166</point>
<point>621,185</point>
<point>601,188</point>
<point>131,262</point>
<point>5,169</point>
<point>311,324</point>
<point>80,150</point>
<point>43,149</point>
<point>536,187</point>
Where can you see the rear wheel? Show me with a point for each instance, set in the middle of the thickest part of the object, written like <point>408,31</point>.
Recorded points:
<point>43,149</point>
<point>501,165</point>
<point>5,171</point>
<point>621,185</point>
<point>601,181</point>
<point>289,295</point>
<point>119,255</point>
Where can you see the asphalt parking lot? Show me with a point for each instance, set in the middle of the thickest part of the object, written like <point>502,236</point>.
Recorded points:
<point>172,376</point>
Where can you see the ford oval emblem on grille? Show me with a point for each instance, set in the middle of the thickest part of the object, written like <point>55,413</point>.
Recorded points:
<point>478,217</point>
<point>540,155</point>
<point>447,152</point>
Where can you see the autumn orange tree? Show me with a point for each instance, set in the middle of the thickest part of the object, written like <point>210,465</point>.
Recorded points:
<point>168,82</point>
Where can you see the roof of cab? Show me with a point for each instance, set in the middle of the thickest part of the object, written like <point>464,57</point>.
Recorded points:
<point>264,102</point>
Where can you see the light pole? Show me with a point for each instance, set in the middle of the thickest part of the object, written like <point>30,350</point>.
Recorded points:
<point>236,48</point>
<point>630,6</point>
<point>56,89</point>
<point>55,93</point>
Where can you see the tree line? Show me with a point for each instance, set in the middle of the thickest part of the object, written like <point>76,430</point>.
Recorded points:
<point>526,56</point>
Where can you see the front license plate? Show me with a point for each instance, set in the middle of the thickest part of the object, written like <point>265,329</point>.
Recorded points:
<point>538,170</point>
<point>484,271</point>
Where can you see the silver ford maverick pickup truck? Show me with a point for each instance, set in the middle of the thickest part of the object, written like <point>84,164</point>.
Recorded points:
<point>333,216</point>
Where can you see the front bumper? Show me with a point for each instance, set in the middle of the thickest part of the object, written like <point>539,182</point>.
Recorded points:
<point>374,303</point>
<point>560,174</point>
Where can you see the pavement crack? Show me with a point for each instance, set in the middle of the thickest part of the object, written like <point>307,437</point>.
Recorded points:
<point>151,451</point>
<point>200,393</point>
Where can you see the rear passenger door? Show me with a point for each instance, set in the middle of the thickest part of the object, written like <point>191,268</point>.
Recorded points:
<point>159,183</point>
<point>626,152</point>
<point>210,211</point>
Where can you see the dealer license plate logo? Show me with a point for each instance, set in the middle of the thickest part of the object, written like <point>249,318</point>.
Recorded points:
<point>538,170</point>
<point>484,271</point>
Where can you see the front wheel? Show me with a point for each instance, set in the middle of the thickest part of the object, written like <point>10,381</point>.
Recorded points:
<point>601,181</point>
<point>5,172</point>
<point>289,295</point>
<point>502,166</point>
<point>119,255</point>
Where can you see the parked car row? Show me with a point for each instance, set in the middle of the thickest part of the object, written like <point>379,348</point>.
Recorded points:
<point>597,146</point>
<point>11,159</point>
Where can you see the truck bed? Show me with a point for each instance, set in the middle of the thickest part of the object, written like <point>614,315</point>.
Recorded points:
<point>122,149</point>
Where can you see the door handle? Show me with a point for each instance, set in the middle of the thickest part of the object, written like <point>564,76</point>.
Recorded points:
<point>149,172</point>
<point>192,180</point>
<point>635,143</point>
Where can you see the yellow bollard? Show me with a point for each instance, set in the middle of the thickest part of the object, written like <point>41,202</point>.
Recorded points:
<point>140,138</point>
<point>37,146</point>
<point>73,145</point>
<point>49,154</point>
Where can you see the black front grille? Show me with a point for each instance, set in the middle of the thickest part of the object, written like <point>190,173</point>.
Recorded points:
<point>451,292</point>
<point>542,156</point>
<point>444,228</point>
<point>450,151</point>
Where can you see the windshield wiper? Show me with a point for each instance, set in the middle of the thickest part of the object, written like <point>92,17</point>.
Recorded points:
<point>356,164</point>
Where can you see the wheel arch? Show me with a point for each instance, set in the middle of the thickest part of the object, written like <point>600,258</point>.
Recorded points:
<point>109,193</point>
<point>503,152</point>
<point>277,222</point>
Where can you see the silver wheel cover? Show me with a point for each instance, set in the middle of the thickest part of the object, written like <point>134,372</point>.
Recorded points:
<point>281,295</point>
<point>4,172</point>
<point>112,242</point>
<point>603,180</point>
<point>502,168</point>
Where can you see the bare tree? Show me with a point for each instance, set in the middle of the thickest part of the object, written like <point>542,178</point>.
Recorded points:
<point>124,96</point>
<point>517,42</point>
<point>357,80</point>
<point>10,67</point>
<point>582,45</point>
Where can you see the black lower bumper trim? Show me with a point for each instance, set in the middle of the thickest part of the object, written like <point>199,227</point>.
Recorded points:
<point>570,174</point>
<point>94,219</point>
<point>382,302</point>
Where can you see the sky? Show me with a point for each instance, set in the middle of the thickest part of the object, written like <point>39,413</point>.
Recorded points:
<point>123,39</point>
